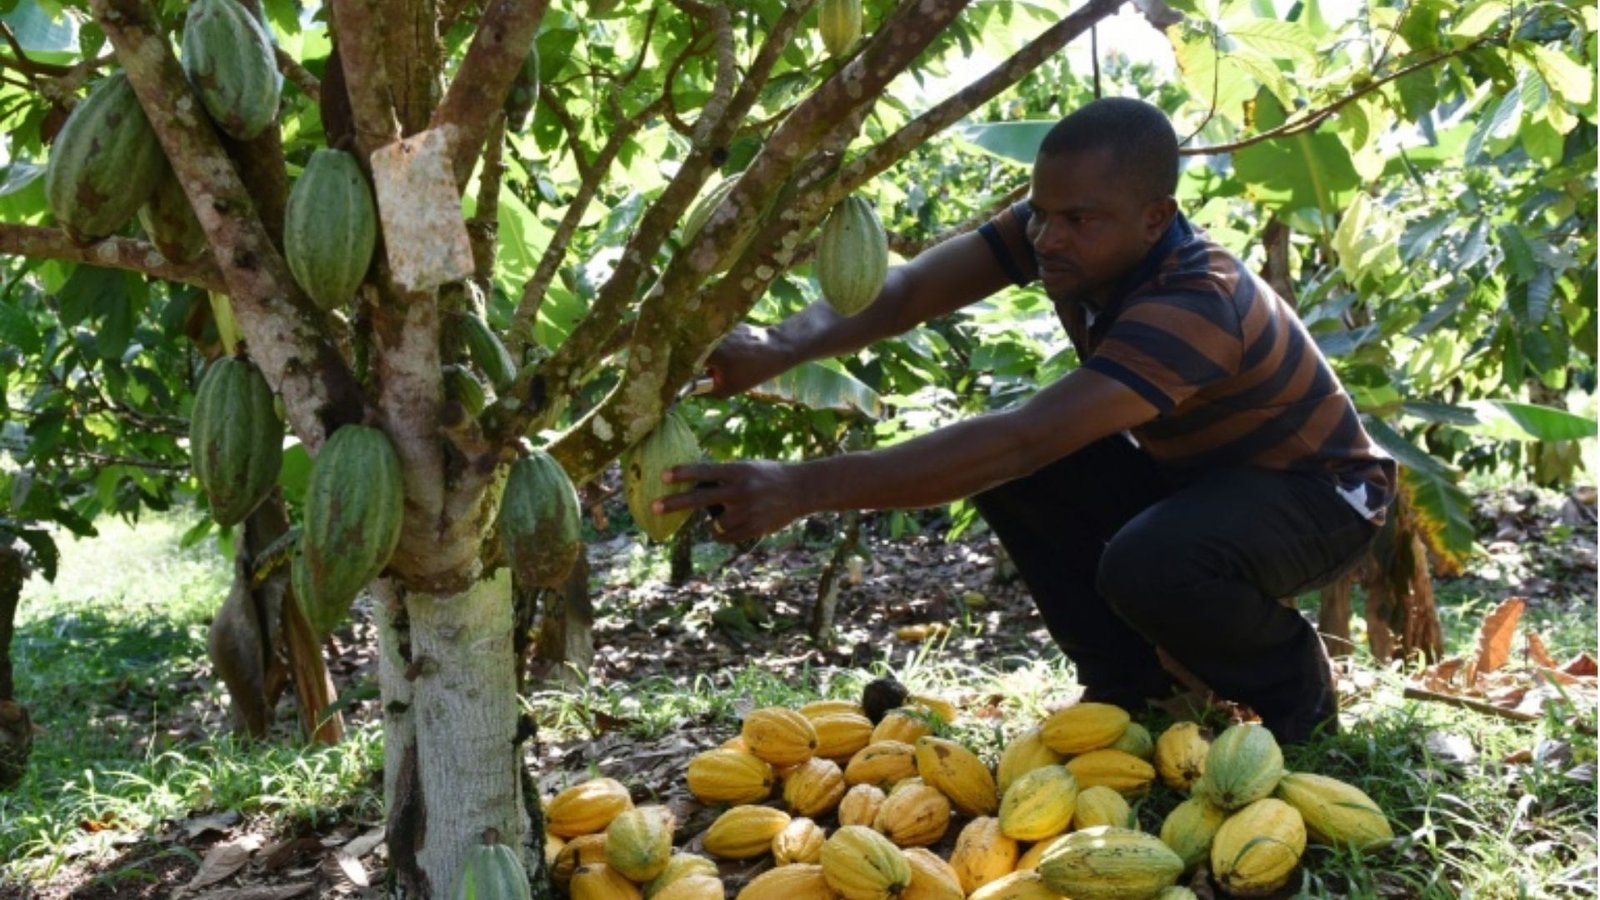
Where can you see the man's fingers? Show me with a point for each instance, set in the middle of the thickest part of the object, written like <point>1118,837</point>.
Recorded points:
<point>693,472</point>
<point>695,498</point>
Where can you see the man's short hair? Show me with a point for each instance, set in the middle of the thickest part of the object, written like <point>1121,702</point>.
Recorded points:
<point>1139,136</point>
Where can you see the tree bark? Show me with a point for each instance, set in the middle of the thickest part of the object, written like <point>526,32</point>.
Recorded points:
<point>451,758</point>
<point>828,585</point>
<point>1333,615</point>
<point>16,729</point>
<point>566,637</point>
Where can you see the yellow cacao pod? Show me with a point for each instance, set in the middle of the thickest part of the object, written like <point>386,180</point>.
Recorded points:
<point>1107,863</point>
<point>1190,828</point>
<point>694,887</point>
<point>800,881</point>
<point>861,864</point>
<point>1030,860</point>
<point>902,726</point>
<point>681,865</point>
<point>735,743</point>
<point>959,774</point>
<point>982,854</point>
<point>639,842</point>
<point>934,706</point>
<point>598,881</point>
<point>1136,741</point>
<point>586,808</point>
<point>780,736</point>
<point>1100,805</point>
<point>1181,755</point>
<point>841,735</point>
<point>1335,813</point>
<point>913,815</point>
<point>1016,886</point>
<point>552,848</point>
<point>1242,766</point>
<point>1257,848</point>
<point>816,709</point>
<point>745,832</point>
<point>814,788</point>
<point>860,804</point>
<point>1176,893</point>
<point>931,877</point>
<point>884,764</point>
<point>1039,804</point>
<point>730,776</point>
<point>1083,727</point>
<point>1022,755</point>
<point>583,850</point>
<point>800,841</point>
<point>1128,775</point>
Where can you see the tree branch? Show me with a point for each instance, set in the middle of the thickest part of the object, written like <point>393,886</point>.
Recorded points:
<point>527,314</point>
<point>499,47</point>
<point>552,102</point>
<point>366,78</point>
<point>112,253</point>
<point>1312,120</point>
<point>298,75</point>
<point>484,226</point>
<point>22,63</point>
<point>915,133</point>
<point>282,328</point>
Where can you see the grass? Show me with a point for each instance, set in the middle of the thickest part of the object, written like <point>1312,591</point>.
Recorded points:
<point>111,661</point>
<point>113,654</point>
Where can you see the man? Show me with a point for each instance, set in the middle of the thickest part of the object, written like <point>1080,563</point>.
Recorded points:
<point>1202,463</point>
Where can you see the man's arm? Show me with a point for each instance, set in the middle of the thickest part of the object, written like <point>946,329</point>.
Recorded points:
<point>953,462</point>
<point>939,280</point>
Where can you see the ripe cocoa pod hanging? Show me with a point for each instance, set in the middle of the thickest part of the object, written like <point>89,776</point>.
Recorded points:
<point>670,444</point>
<point>839,21</point>
<point>330,228</point>
<point>354,505</point>
<point>852,256</point>
<point>235,439</point>
<point>228,57</point>
<point>539,525</point>
<point>169,221</point>
<point>105,163</point>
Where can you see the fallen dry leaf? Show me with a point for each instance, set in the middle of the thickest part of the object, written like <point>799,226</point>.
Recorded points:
<point>1497,632</point>
<point>366,843</point>
<point>224,860</point>
<point>1583,666</point>
<point>1538,652</point>
<point>260,892</point>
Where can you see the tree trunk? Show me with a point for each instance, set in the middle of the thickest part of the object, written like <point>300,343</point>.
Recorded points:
<point>1333,615</point>
<point>16,729</point>
<point>828,585</point>
<point>452,761</point>
<point>566,637</point>
<point>683,553</point>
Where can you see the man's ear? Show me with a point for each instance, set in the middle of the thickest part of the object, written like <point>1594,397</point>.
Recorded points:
<point>1157,216</point>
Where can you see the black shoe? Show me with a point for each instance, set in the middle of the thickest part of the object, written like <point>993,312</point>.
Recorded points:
<point>1316,714</point>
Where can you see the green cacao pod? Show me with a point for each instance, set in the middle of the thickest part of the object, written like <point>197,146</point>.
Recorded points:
<point>1242,766</point>
<point>464,388</point>
<point>852,256</point>
<point>670,444</point>
<point>493,872</point>
<point>639,842</point>
<point>235,439</point>
<point>1136,741</point>
<point>524,92</point>
<point>330,228</point>
<point>353,509</point>
<point>228,57</point>
<point>105,162</point>
<point>705,206</point>
<point>486,350</point>
<point>539,527</point>
<point>1107,863</point>
<point>169,221</point>
<point>840,24</point>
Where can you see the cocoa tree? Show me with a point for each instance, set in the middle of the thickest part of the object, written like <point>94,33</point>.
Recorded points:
<point>606,306</point>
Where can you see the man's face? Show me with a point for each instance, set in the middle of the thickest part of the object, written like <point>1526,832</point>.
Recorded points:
<point>1090,225</point>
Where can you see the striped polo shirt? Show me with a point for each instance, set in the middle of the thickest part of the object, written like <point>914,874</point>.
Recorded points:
<point>1236,377</point>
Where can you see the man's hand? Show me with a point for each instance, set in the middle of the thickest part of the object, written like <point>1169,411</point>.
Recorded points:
<point>747,357</point>
<point>757,497</point>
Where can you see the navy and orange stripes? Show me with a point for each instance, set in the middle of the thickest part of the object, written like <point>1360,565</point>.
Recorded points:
<point>1236,377</point>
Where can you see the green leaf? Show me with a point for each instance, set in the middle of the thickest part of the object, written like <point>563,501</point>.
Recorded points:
<point>1445,511</point>
<point>1519,256</point>
<point>1479,19</point>
<point>41,32</point>
<point>1568,79</point>
<point>821,386</point>
<point>1510,420</point>
<point>1288,42</point>
<point>1304,171</point>
<point>1014,141</point>
<point>17,329</point>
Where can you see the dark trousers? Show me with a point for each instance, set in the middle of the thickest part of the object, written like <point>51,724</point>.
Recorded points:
<point>1120,558</point>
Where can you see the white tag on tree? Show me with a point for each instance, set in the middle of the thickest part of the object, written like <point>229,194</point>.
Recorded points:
<point>423,230</point>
